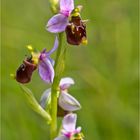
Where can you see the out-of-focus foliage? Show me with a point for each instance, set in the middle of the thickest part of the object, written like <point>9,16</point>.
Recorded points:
<point>105,71</point>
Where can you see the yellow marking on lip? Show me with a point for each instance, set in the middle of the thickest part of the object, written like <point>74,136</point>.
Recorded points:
<point>76,14</point>
<point>35,57</point>
<point>72,28</point>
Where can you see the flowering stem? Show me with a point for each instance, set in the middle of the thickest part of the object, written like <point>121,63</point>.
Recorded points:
<point>58,67</point>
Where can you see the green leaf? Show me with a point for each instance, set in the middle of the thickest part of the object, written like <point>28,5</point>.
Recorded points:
<point>34,104</point>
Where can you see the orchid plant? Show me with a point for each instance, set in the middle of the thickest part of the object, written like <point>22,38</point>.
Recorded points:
<point>56,101</point>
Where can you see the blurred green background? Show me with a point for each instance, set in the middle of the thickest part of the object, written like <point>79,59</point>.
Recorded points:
<point>105,71</point>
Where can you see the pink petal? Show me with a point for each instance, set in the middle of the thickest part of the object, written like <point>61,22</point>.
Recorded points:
<point>68,102</point>
<point>78,129</point>
<point>54,47</point>
<point>61,138</point>
<point>66,82</point>
<point>46,70</point>
<point>45,97</point>
<point>66,6</point>
<point>57,23</point>
<point>69,122</point>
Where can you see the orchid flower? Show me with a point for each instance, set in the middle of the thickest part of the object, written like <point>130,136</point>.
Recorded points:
<point>42,61</point>
<point>69,20</point>
<point>65,100</point>
<point>69,130</point>
<point>59,21</point>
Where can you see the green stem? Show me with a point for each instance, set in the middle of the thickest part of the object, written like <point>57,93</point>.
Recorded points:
<point>58,68</point>
<point>54,6</point>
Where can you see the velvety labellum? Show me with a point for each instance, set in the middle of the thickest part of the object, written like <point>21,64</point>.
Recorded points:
<point>76,31</point>
<point>25,70</point>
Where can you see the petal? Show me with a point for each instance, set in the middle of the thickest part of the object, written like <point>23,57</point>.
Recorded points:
<point>66,82</point>
<point>78,129</point>
<point>54,47</point>
<point>57,23</point>
<point>68,102</point>
<point>69,122</point>
<point>51,60</point>
<point>61,138</point>
<point>45,98</point>
<point>66,5</point>
<point>46,70</point>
